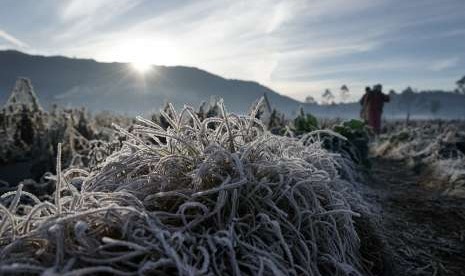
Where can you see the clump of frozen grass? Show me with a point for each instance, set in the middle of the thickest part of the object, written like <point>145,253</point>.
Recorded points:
<point>436,147</point>
<point>222,196</point>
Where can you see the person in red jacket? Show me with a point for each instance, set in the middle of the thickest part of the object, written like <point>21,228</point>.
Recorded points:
<point>372,106</point>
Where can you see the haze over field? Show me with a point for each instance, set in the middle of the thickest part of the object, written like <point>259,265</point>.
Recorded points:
<point>118,88</point>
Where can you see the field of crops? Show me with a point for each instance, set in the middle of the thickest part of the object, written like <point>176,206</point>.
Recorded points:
<point>207,192</point>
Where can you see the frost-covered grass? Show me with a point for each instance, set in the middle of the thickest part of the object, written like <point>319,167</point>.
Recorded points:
<point>31,136</point>
<point>214,196</point>
<point>435,148</point>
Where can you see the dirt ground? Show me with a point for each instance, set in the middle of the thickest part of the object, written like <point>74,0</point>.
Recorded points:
<point>424,231</point>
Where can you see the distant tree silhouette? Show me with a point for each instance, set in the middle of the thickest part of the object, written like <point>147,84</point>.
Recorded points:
<point>407,100</point>
<point>310,100</point>
<point>328,97</point>
<point>392,94</point>
<point>461,85</point>
<point>344,93</point>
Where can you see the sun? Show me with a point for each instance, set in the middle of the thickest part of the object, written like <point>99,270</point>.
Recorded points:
<point>141,67</point>
<point>141,54</point>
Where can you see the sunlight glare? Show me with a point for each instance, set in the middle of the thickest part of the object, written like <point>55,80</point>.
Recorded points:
<point>141,67</point>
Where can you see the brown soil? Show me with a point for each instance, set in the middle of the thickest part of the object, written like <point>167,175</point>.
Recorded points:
<point>424,231</point>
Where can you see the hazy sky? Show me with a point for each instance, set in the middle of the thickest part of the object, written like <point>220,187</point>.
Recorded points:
<point>298,48</point>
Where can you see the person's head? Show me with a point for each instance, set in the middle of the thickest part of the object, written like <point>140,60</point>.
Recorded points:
<point>367,89</point>
<point>378,88</point>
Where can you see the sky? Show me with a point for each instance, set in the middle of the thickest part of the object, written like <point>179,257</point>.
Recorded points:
<point>298,48</point>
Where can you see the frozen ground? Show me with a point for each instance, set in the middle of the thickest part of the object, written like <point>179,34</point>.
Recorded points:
<point>424,231</point>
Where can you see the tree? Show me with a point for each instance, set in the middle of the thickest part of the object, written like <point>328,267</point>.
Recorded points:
<point>344,93</point>
<point>310,100</point>
<point>407,99</point>
<point>392,98</point>
<point>328,97</point>
<point>461,85</point>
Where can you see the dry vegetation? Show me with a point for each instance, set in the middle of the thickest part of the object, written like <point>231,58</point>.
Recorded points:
<point>207,192</point>
<point>218,196</point>
<point>434,149</point>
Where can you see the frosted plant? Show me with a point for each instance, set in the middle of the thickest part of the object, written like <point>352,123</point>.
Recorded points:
<point>29,134</point>
<point>220,196</point>
<point>22,96</point>
<point>436,146</point>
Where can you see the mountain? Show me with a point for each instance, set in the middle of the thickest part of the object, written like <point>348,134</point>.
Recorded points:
<point>119,88</point>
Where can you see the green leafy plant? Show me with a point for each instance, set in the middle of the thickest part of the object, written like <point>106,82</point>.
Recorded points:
<point>357,144</point>
<point>305,123</point>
